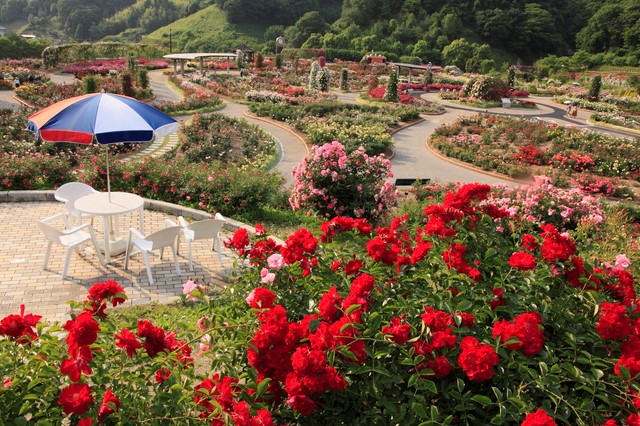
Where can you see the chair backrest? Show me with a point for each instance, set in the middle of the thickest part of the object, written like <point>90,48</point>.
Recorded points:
<point>164,237</point>
<point>204,229</point>
<point>51,233</point>
<point>71,191</point>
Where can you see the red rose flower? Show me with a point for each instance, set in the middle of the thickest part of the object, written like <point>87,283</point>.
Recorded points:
<point>75,398</point>
<point>110,404</point>
<point>529,242</point>
<point>399,332</point>
<point>526,329</point>
<point>154,342</point>
<point>539,418</point>
<point>302,404</point>
<point>261,298</point>
<point>162,375</point>
<point>74,367</point>
<point>614,321</point>
<point>127,340</point>
<point>329,303</point>
<point>477,359</point>
<point>522,261</point>
<point>20,327</point>
<point>238,241</point>
<point>83,331</point>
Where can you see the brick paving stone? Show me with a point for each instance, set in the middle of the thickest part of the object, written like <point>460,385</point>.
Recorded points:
<point>23,281</point>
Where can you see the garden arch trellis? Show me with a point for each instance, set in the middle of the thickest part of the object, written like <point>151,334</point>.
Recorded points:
<point>184,57</point>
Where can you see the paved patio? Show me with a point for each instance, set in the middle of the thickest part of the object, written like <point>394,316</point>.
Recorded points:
<point>43,292</point>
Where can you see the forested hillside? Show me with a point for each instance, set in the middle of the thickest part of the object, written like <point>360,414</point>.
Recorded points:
<point>467,33</point>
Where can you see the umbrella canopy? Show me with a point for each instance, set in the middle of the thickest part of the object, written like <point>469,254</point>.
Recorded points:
<point>104,117</point>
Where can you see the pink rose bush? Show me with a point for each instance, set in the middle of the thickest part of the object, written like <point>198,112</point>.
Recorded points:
<point>332,182</point>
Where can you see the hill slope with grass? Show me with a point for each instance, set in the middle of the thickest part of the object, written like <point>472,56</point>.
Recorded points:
<point>207,30</point>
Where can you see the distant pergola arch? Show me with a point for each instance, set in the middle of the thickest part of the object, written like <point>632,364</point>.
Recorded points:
<point>412,67</point>
<point>184,57</point>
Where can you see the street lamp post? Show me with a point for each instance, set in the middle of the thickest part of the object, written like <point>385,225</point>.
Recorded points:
<point>279,43</point>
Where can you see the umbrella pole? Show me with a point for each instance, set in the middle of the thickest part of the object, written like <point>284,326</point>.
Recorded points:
<point>106,147</point>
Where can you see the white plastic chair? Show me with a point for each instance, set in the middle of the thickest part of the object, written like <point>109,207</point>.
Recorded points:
<point>201,230</point>
<point>158,240</point>
<point>70,239</point>
<point>69,193</point>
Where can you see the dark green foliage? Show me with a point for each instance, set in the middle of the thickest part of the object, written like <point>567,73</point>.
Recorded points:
<point>258,60</point>
<point>594,89</point>
<point>391,94</point>
<point>524,30</point>
<point>143,78</point>
<point>344,79</point>
<point>127,85</point>
<point>89,84</point>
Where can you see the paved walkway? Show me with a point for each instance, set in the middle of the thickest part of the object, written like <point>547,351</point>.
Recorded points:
<point>23,280</point>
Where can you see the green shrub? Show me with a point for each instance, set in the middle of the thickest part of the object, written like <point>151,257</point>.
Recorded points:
<point>89,84</point>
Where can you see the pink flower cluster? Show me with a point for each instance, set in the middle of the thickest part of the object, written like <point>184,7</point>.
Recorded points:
<point>543,202</point>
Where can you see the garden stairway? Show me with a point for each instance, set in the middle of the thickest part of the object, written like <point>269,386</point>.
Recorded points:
<point>159,147</point>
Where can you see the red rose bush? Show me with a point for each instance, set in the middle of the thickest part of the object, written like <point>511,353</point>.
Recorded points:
<point>461,314</point>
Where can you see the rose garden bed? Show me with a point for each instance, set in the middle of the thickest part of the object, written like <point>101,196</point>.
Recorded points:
<point>522,148</point>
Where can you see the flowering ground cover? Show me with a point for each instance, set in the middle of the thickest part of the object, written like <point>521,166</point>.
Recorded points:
<point>353,125</point>
<point>520,148</point>
<point>460,313</point>
<point>215,137</point>
<point>104,67</point>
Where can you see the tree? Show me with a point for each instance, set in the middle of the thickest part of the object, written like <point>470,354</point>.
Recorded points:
<point>143,78</point>
<point>258,60</point>
<point>344,79</point>
<point>594,89</point>
<point>457,52</point>
<point>603,31</point>
<point>309,23</point>
<point>313,75</point>
<point>89,84</point>
<point>391,93</point>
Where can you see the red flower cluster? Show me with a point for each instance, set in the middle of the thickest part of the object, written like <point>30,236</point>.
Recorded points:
<point>294,357</point>
<point>440,328</point>
<point>526,329</point>
<point>556,246</point>
<point>101,293</point>
<point>298,247</point>
<point>477,359</point>
<point>20,327</point>
<point>454,258</point>
<point>77,397</point>
<point>394,245</point>
<point>343,224</point>
<point>157,341</point>
<point>614,322</point>
<point>397,331</point>
<point>224,392</point>
<point>239,241</point>
<point>261,298</point>
<point>310,375</point>
<point>538,418</point>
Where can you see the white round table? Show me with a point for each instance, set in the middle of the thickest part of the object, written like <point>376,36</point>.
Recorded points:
<point>109,206</point>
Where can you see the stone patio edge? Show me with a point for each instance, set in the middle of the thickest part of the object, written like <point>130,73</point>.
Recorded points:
<point>164,207</point>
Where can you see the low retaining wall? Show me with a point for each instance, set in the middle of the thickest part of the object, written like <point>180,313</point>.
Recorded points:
<point>161,206</point>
